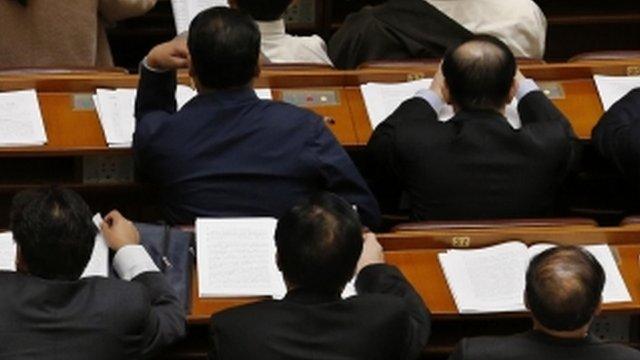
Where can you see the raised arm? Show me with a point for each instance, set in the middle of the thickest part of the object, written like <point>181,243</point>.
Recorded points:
<point>375,277</point>
<point>341,176</point>
<point>157,86</point>
<point>165,321</point>
<point>535,109</point>
<point>617,135</point>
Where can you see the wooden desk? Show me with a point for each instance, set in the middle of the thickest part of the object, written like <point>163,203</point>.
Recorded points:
<point>75,134</point>
<point>422,269</point>
<point>74,131</point>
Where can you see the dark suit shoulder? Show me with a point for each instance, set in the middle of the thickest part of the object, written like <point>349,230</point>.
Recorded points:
<point>414,109</point>
<point>536,346</point>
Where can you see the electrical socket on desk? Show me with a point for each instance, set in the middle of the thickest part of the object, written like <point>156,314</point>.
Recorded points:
<point>616,328</point>
<point>107,169</point>
<point>303,13</point>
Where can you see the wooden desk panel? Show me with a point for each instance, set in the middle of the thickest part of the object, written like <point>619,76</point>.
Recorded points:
<point>476,238</point>
<point>422,269</point>
<point>337,118</point>
<point>69,128</point>
<point>581,105</point>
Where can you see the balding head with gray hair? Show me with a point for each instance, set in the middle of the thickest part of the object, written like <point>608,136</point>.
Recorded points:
<point>564,288</point>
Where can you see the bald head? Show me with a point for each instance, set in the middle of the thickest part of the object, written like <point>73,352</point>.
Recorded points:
<point>564,288</point>
<point>479,73</point>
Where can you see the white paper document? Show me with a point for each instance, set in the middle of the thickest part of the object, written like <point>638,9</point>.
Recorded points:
<point>21,121</point>
<point>116,111</point>
<point>237,258</point>
<point>7,252</point>
<point>184,11</point>
<point>99,263</point>
<point>492,279</point>
<point>381,100</point>
<point>613,88</point>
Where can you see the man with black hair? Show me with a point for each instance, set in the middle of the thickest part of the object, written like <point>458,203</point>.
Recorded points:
<point>278,46</point>
<point>564,293</point>
<point>227,153</point>
<point>475,165</point>
<point>49,312</point>
<point>320,246</point>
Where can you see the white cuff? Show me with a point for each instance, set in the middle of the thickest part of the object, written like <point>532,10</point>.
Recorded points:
<point>133,260</point>
<point>525,87</point>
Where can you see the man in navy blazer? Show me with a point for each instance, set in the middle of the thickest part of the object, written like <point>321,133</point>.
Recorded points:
<point>227,153</point>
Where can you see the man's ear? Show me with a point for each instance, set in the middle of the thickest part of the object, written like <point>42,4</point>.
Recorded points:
<point>598,309</point>
<point>21,265</point>
<point>513,91</point>
<point>446,94</point>
<point>526,300</point>
<point>257,70</point>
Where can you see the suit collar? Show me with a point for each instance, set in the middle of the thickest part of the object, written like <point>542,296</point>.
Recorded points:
<point>310,296</point>
<point>232,96</point>
<point>548,339</point>
<point>481,114</point>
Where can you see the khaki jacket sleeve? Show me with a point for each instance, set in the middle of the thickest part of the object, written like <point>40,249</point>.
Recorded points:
<point>115,10</point>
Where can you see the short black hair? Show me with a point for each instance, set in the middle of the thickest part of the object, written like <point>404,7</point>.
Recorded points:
<point>319,243</point>
<point>224,45</point>
<point>564,287</point>
<point>264,10</point>
<point>479,82</point>
<point>54,229</point>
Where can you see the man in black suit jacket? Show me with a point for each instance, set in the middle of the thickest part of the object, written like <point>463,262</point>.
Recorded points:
<point>319,243</point>
<point>395,30</point>
<point>617,138</point>
<point>228,153</point>
<point>475,165</point>
<point>48,312</point>
<point>564,293</point>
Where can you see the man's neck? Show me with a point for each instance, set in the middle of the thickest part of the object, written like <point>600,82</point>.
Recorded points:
<point>577,334</point>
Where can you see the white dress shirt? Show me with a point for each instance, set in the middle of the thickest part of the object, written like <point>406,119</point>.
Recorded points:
<point>519,23</point>
<point>437,103</point>
<point>279,47</point>
<point>131,261</point>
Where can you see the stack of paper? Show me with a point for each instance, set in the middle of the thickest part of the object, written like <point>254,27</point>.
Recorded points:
<point>20,119</point>
<point>98,263</point>
<point>116,109</point>
<point>381,100</point>
<point>493,279</point>
<point>237,257</point>
<point>614,88</point>
<point>185,10</point>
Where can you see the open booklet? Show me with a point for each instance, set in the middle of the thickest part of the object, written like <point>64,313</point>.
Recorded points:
<point>98,264</point>
<point>492,279</point>
<point>21,121</point>
<point>185,10</point>
<point>381,100</point>
<point>613,88</point>
<point>116,110</point>
<point>237,258</point>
